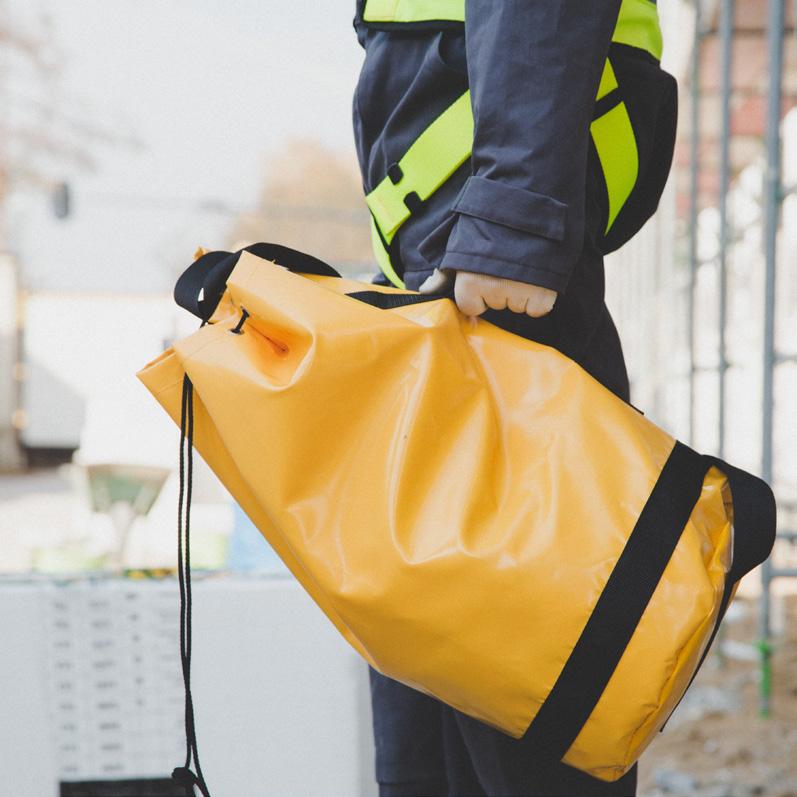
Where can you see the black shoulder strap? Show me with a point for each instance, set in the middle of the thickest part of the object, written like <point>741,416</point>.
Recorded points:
<point>633,581</point>
<point>202,284</point>
<point>754,518</point>
<point>388,301</point>
<point>754,530</point>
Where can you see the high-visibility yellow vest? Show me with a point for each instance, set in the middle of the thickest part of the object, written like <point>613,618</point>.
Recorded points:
<point>447,142</point>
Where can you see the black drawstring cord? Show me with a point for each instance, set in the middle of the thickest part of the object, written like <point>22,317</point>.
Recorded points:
<point>238,328</point>
<point>183,775</point>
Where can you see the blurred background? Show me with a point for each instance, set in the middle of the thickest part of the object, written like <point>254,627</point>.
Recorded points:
<point>131,134</point>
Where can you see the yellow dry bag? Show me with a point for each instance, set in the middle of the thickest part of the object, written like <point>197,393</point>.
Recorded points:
<point>480,518</point>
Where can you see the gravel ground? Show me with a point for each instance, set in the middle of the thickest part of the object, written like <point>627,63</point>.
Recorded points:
<point>717,745</point>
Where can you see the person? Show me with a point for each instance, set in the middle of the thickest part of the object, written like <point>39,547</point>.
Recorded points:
<point>505,148</point>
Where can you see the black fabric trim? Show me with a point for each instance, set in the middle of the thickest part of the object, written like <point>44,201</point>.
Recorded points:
<point>392,249</point>
<point>606,103</point>
<point>620,607</point>
<point>617,48</point>
<point>651,99</point>
<point>754,530</point>
<point>413,202</point>
<point>395,173</point>
<point>754,518</point>
<point>394,254</point>
<point>601,192</point>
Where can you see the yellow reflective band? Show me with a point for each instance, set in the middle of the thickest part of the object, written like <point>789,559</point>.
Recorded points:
<point>383,258</point>
<point>637,22</point>
<point>608,80</point>
<point>616,145</point>
<point>414,10</point>
<point>638,26</point>
<point>428,163</point>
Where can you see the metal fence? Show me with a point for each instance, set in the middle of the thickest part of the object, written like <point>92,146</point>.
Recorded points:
<point>706,296</point>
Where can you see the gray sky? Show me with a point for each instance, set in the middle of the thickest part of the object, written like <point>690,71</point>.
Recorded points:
<point>211,89</point>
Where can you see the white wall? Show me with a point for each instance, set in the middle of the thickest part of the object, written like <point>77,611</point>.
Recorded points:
<point>8,359</point>
<point>81,352</point>
<point>281,700</point>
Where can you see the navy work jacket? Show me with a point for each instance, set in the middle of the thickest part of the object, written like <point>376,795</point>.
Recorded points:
<point>516,209</point>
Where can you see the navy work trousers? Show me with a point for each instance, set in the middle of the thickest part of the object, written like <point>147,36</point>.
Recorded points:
<point>425,748</point>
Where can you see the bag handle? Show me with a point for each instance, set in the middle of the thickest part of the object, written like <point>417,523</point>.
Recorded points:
<point>201,286</point>
<point>754,518</point>
<point>387,301</point>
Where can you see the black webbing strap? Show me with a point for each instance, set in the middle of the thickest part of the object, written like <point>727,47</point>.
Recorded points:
<point>202,284</point>
<point>634,580</point>
<point>388,301</point>
<point>619,607</point>
<point>754,529</point>
<point>754,518</point>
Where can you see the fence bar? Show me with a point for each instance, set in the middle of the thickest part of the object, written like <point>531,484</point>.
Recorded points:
<point>726,56</point>
<point>694,169</point>
<point>784,572</point>
<point>772,198</point>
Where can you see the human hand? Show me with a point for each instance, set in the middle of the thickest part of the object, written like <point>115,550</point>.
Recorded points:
<point>474,293</point>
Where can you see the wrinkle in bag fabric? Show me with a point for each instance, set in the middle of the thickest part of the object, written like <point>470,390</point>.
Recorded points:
<point>470,508</point>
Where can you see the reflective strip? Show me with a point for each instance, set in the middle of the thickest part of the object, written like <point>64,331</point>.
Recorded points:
<point>414,10</point>
<point>616,145</point>
<point>428,163</point>
<point>638,26</point>
<point>383,258</point>
<point>637,22</point>
<point>608,80</point>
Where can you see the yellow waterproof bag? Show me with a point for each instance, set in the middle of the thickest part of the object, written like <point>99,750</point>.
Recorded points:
<point>480,518</point>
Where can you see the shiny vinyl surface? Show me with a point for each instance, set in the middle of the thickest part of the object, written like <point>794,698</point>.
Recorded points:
<point>452,496</point>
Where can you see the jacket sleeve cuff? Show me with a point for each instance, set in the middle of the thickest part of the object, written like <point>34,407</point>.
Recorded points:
<point>510,232</point>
